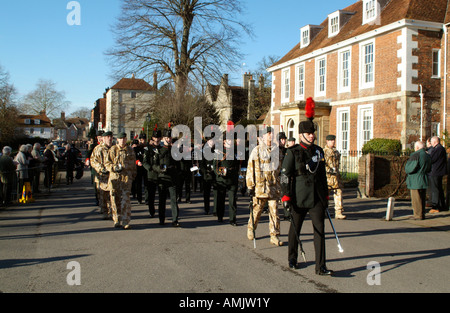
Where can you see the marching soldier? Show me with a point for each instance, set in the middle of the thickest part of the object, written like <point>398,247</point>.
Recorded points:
<point>282,146</point>
<point>152,175</point>
<point>167,169</point>
<point>139,150</point>
<point>209,177</point>
<point>226,167</point>
<point>304,189</point>
<point>332,160</point>
<point>264,185</point>
<point>97,160</point>
<point>121,163</point>
<point>87,162</point>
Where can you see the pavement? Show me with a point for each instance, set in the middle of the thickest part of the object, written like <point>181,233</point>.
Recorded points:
<point>39,240</point>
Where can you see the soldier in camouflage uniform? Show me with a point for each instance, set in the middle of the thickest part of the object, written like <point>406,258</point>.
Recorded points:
<point>121,164</point>
<point>332,159</point>
<point>263,184</point>
<point>97,160</point>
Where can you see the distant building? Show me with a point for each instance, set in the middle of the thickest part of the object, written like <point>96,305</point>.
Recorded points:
<point>71,129</point>
<point>235,103</point>
<point>36,125</point>
<point>365,66</point>
<point>127,105</point>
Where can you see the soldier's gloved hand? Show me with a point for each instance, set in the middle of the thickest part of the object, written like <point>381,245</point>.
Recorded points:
<point>251,192</point>
<point>118,168</point>
<point>286,202</point>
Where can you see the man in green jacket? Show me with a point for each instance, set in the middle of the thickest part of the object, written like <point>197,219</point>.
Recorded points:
<point>417,168</point>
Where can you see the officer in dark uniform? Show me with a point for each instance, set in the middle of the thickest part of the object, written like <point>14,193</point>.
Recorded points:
<point>282,146</point>
<point>226,167</point>
<point>304,189</point>
<point>167,169</point>
<point>209,177</point>
<point>152,175</point>
<point>139,150</point>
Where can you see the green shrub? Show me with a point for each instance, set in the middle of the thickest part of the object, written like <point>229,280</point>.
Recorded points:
<point>382,146</point>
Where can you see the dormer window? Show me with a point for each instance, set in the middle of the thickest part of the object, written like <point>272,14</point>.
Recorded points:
<point>307,34</point>
<point>37,122</point>
<point>337,20</point>
<point>305,37</point>
<point>333,24</point>
<point>370,11</point>
<point>27,121</point>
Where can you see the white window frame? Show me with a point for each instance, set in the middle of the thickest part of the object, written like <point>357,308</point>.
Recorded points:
<point>300,81</point>
<point>305,35</point>
<point>333,24</point>
<point>370,11</point>
<point>318,90</point>
<point>340,130</point>
<point>438,53</point>
<point>291,128</point>
<point>285,85</point>
<point>341,88</point>
<point>361,110</point>
<point>363,83</point>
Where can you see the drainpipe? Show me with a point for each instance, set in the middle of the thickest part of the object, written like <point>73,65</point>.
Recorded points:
<point>421,112</point>
<point>445,26</point>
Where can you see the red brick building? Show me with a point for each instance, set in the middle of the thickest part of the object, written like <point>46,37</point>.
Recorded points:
<point>365,66</point>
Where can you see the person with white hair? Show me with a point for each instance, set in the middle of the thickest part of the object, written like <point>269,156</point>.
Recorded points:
<point>23,160</point>
<point>417,168</point>
<point>7,172</point>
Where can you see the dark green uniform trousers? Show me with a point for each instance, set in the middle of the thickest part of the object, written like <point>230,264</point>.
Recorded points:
<point>221,193</point>
<point>317,215</point>
<point>163,189</point>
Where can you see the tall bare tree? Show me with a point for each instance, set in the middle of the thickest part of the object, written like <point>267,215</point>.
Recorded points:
<point>176,38</point>
<point>8,110</point>
<point>45,97</point>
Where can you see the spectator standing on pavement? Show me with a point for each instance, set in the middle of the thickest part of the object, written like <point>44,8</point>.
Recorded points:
<point>49,161</point>
<point>70,154</point>
<point>7,172</point>
<point>22,166</point>
<point>417,168</point>
<point>438,170</point>
<point>38,160</point>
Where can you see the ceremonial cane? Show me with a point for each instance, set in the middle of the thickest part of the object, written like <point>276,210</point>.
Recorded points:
<point>332,226</point>
<point>298,237</point>
<point>253,221</point>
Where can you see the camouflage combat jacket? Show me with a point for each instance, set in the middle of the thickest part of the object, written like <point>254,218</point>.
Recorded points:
<point>98,159</point>
<point>121,164</point>
<point>332,160</point>
<point>263,171</point>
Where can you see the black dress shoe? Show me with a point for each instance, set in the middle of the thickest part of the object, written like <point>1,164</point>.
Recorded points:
<point>324,271</point>
<point>232,223</point>
<point>176,224</point>
<point>293,264</point>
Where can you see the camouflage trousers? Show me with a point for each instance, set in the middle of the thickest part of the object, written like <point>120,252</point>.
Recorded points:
<point>274,220</point>
<point>104,201</point>
<point>335,187</point>
<point>121,205</point>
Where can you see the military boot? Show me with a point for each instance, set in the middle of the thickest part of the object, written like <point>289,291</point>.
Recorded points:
<point>338,215</point>
<point>275,241</point>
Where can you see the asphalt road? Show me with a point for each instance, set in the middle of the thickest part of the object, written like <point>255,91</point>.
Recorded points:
<point>60,243</point>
